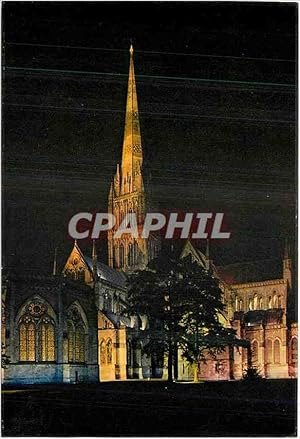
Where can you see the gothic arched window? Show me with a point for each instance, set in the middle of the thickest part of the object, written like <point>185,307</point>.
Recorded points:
<point>27,340</point>
<point>269,353</point>
<point>130,255</point>
<point>241,305</point>
<point>79,344</point>
<point>255,302</point>
<point>47,343</point>
<point>70,342</point>
<point>270,302</point>
<point>102,352</point>
<point>260,303</point>
<point>121,256</point>
<point>76,336</point>
<point>36,333</point>
<point>109,351</point>
<point>250,304</point>
<point>275,301</point>
<point>277,351</point>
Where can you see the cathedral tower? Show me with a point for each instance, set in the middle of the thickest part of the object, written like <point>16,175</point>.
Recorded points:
<point>127,193</point>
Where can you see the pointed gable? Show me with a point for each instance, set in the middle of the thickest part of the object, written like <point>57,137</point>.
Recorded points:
<point>197,255</point>
<point>76,266</point>
<point>80,267</point>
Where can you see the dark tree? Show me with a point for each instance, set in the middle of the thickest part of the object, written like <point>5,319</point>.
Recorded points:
<point>183,304</point>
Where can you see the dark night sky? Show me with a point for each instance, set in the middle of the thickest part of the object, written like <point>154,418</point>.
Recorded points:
<point>216,89</point>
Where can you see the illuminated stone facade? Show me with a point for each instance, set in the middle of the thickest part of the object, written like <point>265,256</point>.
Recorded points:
<point>72,328</point>
<point>50,330</point>
<point>258,310</point>
<point>127,194</point>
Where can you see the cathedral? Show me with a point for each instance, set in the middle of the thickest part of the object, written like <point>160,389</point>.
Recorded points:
<point>70,327</point>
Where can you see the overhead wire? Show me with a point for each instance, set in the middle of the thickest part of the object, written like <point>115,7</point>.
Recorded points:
<point>161,77</point>
<point>154,52</point>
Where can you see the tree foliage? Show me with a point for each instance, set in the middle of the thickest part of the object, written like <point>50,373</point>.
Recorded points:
<point>183,304</point>
<point>252,374</point>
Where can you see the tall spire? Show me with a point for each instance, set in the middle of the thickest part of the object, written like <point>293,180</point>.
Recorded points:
<point>127,190</point>
<point>132,145</point>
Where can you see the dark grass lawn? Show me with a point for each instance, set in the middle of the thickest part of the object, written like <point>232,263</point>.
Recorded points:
<point>151,408</point>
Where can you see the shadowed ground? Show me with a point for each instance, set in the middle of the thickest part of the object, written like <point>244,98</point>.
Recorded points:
<point>151,408</point>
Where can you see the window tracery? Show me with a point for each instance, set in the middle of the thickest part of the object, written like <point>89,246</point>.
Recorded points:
<point>36,333</point>
<point>76,336</point>
<point>109,351</point>
<point>47,344</point>
<point>102,352</point>
<point>121,256</point>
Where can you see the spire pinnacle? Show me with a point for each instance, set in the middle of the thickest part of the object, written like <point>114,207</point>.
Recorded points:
<point>132,156</point>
